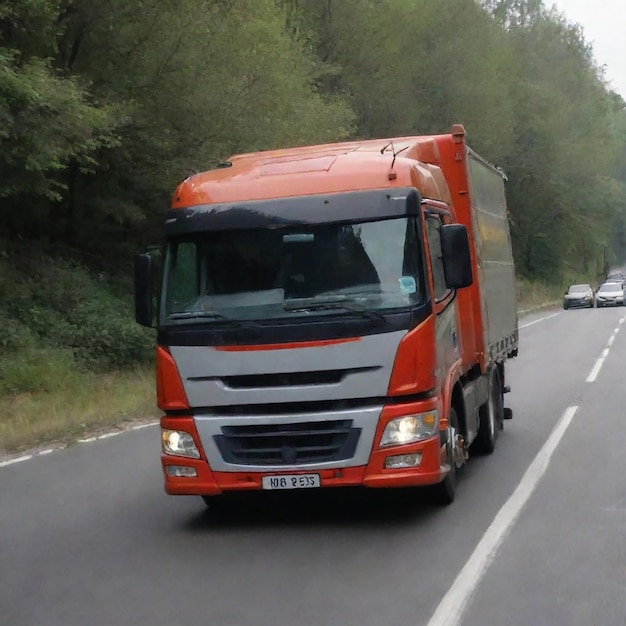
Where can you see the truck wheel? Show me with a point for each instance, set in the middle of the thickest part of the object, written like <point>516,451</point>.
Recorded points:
<point>445,491</point>
<point>491,416</point>
<point>217,505</point>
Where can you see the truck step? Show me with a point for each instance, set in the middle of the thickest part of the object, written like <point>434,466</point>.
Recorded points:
<point>506,389</point>
<point>508,414</point>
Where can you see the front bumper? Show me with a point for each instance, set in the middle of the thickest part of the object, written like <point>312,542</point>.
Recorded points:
<point>570,303</point>
<point>609,302</point>
<point>207,482</point>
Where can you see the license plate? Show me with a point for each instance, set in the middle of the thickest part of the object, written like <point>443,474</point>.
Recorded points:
<point>291,481</point>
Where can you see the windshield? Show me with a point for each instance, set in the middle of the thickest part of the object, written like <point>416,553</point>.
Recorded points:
<point>579,288</point>
<point>609,287</point>
<point>276,273</point>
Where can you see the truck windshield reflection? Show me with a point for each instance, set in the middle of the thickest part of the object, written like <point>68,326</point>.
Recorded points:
<point>263,274</point>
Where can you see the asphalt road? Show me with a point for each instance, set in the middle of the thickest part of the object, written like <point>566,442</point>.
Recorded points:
<point>535,537</point>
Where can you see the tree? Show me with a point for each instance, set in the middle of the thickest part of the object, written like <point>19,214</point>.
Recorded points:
<point>48,122</point>
<point>560,168</point>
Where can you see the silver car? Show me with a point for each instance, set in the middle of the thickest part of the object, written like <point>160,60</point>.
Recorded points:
<point>610,294</point>
<point>578,296</point>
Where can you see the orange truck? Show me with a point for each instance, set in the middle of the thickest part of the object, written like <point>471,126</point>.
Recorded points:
<point>335,315</point>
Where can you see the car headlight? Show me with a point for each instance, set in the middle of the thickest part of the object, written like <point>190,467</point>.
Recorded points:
<point>179,443</point>
<point>410,428</point>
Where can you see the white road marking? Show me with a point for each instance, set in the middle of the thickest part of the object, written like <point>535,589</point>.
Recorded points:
<point>598,365</point>
<point>28,457</point>
<point>453,604</point>
<point>140,426</point>
<point>596,370</point>
<point>18,459</point>
<point>547,317</point>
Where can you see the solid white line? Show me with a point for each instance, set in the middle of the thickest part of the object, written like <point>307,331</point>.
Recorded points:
<point>547,317</point>
<point>18,459</point>
<point>140,426</point>
<point>453,605</point>
<point>28,457</point>
<point>109,435</point>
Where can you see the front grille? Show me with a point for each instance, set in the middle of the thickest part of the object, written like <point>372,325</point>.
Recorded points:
<point>288,379</point>
<point>288,444</point>
<point>328,377</point>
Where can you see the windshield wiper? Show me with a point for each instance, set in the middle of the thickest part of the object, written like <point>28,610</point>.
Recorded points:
<point>212,315</point>
<point>185,315</point>
<point>306,305</point>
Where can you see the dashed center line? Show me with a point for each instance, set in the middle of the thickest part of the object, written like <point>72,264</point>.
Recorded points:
<point>598,364</point>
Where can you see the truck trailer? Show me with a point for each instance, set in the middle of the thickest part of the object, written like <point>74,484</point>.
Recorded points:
<point>334,315</point>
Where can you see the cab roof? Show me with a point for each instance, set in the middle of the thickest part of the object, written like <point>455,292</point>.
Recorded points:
<point>325,168</point>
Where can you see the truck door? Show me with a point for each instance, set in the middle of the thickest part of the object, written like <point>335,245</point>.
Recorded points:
<point>446,338</point>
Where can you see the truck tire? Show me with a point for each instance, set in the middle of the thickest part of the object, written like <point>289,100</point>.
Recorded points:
<point>445,491</point>
<point>218,506</point>
<point>227,505</point>
<point>491,417</point>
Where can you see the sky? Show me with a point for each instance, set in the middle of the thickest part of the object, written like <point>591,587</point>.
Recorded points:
<point>602,22</point>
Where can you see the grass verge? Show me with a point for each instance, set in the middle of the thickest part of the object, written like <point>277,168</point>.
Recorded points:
<point>85,403</point>
<point>535,296</point>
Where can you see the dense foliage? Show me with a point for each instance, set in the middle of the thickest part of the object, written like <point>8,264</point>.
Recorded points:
<point>106,106</point>
<point>57,319</point>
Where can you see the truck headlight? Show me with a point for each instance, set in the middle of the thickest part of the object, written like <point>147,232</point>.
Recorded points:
<point>410,428</point>
<point>179,443</point>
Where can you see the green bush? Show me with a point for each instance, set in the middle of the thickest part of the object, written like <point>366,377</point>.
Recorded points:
<point>56,304</point>
<point>36,370</point>
<point>103,334</point>
<point>14,336</point>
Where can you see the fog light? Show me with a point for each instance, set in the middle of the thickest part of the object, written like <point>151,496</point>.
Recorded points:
<point>403,460</point>
<point>181,471</point>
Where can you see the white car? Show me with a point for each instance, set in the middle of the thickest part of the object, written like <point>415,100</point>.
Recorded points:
<point>610,294</point>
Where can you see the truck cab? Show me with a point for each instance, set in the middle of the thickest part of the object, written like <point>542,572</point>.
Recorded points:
<point>311,328</point>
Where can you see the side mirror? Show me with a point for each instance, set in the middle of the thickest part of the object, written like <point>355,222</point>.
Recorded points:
<point>143,277</point>
<point>457,260</point>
